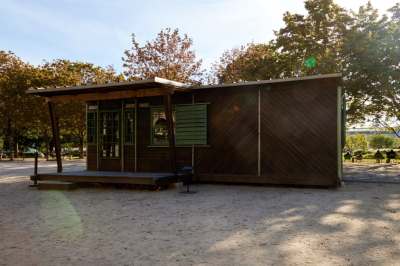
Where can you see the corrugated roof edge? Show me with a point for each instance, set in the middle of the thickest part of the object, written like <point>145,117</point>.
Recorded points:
<point>265,82</point>
<point>160,81</point>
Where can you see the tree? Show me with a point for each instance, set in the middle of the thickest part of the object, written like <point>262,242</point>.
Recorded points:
<point>168,56</point>
<point>16,108</point>
<point>365,69</point>
<point>384,103</point>
<point>356,142</point>
<point>67,73</point>
<point>316,37</point>
<point>247,63</point>
<point>362,45</point>
<point>307,44</point>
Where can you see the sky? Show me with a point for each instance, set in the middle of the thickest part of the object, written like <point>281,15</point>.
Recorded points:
<point>98,31</point>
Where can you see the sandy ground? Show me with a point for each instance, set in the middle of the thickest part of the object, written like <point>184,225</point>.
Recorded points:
<point>358,224</point>
<point>367,172</point>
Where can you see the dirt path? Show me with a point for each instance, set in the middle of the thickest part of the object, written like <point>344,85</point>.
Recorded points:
<point>220,225</point>
<point>367,172</point>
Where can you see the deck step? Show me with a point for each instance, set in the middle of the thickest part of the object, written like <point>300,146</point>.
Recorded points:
<point>56,185</point>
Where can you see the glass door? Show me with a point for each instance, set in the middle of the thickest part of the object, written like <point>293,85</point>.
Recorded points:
<point>129,136</point>
<point>110,140</point>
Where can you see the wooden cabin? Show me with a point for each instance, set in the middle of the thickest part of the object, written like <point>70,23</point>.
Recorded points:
<point>286,131</point>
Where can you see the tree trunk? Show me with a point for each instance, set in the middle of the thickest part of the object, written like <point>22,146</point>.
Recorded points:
<point>15,147</point>
<point>51,148</point>
<point>47,143</point>
<point>80,147</point>
<point>10,140</point>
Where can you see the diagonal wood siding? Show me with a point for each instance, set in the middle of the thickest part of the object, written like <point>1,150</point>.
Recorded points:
<point>232,132</point>
<point>299,133</point>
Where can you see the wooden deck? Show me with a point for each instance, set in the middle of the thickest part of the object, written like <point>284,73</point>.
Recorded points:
<point>151,179</point>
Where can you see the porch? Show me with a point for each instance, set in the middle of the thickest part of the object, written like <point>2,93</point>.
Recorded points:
<point>109,177</point>
<point>111,114</point>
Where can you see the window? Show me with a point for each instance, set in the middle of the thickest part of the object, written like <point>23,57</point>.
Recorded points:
<point>190,125</point>
<point>159,128</point>
<point>129,126</point>
<point>91,125</point>
<point>109,134</point>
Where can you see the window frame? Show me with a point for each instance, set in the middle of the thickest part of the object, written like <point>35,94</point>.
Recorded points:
<point>101,136</point>
<point>159,107</point>
<point>90,128</point>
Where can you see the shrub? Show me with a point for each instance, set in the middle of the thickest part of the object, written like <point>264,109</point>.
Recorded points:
<point>378,156</point>
<point>356,142</point>
<point>381,142</point>
<point>347,156</point>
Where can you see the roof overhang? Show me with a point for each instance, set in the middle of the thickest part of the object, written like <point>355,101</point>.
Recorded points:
<point>259,83</point>
<point>112,91</point>
<point>151,87</point>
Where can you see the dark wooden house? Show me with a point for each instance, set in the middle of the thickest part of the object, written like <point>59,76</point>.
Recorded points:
<point>286,131</point>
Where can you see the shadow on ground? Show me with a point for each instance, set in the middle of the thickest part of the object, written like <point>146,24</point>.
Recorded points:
<point>220,225</point>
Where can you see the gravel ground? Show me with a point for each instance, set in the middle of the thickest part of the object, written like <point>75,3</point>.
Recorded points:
<point>364,172</point>
<point>358,224</point>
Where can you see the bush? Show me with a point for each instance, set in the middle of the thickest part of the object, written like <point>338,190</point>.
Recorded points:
<point>378,156</point>
<point>382,142</point>
<point>347,156</point>
<point>358,155</point>
<point>356,142</point>
<point>369,156</point>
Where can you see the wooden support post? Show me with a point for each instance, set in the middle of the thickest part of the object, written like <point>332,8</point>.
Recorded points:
<point>259,133</point>
<point>98,136</point>
<point>136,130</point>
<point>86,125</point>
<point>35,171</point>
<point>122,141</point>
<point>56,135</point>
<point>171,134</point>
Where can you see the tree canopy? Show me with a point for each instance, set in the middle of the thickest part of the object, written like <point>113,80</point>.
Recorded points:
<point>364,46</point>
<point>169,56</point>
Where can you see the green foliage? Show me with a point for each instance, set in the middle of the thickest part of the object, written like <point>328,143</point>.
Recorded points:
<point>362,45</point>
<point>318,34</point>
<point>356,142</point>
<point>378,155</point>
<point>68,73</point>
<point>391,154</point>
<point>247,63</point>
<point>381,142</point>
<point>358,155</point>
<point>17,110</point>
<point>347,156</point>
<point>23,118</point>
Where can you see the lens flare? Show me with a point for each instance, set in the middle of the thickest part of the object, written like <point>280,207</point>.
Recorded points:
<point>310,62</point>
<point>59,216</point>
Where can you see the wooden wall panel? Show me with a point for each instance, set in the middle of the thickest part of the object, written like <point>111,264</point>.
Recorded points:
<point>91,157</point>
<point>129,158</point>
<point>232,132</point>
<point>110,164</point>
<point>299,133</point>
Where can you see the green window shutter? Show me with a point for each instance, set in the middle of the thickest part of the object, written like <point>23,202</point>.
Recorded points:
<point>191,124</point>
